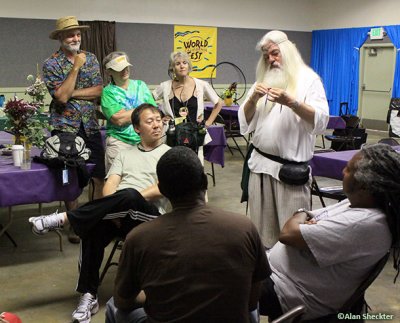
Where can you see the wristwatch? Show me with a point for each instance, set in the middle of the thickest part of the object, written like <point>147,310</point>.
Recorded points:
<point>310,215</point>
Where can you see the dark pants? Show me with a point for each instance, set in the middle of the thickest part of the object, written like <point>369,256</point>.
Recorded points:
<point>269,303</point>
<point>92,223</point>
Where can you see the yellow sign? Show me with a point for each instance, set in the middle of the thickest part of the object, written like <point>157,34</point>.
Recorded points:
<point>200,43</point>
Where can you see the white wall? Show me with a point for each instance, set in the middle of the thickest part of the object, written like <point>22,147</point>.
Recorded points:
<point>331,14</point>
<point>258,14</point>
<point>299,15</point>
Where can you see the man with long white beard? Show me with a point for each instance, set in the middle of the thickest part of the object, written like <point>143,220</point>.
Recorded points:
<point>285,108</point>
<point>74,82</point>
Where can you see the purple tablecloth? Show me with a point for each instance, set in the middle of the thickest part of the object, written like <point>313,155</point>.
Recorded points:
<point>226,110</point>
<point>331,164</point>
<point>36,185</point>
<point>214,150</point>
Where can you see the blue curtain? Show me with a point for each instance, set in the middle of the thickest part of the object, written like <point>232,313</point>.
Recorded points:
<point>394,35</point>
<point>335,57</point>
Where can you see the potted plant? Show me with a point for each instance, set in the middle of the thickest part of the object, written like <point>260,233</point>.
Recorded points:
<point>23,123</point>
<point>228,93</point>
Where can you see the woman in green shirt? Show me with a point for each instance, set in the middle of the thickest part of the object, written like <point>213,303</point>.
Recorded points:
<point>118,100</point>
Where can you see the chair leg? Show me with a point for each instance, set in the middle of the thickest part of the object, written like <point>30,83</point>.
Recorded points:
<point>9,237</point>
<point>212,175</point>
<point>59,239</point>
<point>109,262</point>
<point>238,148</point>
<point>314,186</point>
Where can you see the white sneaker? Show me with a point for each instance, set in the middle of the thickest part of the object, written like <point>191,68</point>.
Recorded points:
<point>88,306</point>
<point>45,223</point>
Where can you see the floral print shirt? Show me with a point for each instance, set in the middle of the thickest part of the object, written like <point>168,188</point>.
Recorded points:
<point>68,117</point>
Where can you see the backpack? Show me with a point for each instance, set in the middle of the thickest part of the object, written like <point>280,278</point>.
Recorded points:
<point>187,134</point>
<point>64,150</point>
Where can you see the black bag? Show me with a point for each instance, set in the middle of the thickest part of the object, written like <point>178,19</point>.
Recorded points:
<point>293,173</point>
<point>186,134</point>
<point>66,150</point>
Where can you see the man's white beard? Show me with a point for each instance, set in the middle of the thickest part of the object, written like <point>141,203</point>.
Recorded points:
<point>276,77</point>
<point>72,48</point>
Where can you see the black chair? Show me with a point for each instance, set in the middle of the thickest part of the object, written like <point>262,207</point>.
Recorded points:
<point>331,192</point>
<point>355,305</point>
<point>117,245</point>
<point>352,137</point>
<point>231,131</point>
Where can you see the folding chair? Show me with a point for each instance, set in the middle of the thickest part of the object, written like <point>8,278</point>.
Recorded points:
<point>117,245</point>
<point>231,131</point>
<point>331,192</point>
<point>352,137</point>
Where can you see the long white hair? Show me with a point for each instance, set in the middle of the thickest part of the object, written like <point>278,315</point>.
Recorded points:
<point>291,59</point>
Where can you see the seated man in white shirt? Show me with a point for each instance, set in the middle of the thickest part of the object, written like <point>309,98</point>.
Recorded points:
<point>131,198</point>
<point>323,256</point>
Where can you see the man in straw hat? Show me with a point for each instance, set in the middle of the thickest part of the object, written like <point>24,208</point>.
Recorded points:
<point>285,108</point>
<point>74,81</point>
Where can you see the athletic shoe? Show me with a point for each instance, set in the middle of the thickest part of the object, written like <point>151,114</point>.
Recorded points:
<point>88,306</point>
<point>45,223</point>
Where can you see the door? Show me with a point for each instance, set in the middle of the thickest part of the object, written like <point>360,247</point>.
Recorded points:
<point>376,80</point>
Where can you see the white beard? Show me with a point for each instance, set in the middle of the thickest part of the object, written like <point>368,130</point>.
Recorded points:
<point>276,77</point>
<point>72,48</point>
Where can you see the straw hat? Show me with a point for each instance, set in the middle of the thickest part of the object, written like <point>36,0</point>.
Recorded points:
<point>66,23</point>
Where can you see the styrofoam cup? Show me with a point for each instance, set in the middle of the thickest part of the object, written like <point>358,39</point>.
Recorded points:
<point>18,153</point>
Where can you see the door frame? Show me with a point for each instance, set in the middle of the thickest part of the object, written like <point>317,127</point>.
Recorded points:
<point>365,47</point>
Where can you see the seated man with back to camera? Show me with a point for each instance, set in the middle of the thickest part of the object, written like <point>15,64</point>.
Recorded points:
<point>324,255</point>
<point>194,264</point>
<point>131,196</point>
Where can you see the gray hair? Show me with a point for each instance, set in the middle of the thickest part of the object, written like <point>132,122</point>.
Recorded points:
<point>291,57</point>
<point>378,172</point>
<point>172,59</point>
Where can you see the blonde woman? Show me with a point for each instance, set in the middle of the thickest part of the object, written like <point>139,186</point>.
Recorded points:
<point>183,95</point>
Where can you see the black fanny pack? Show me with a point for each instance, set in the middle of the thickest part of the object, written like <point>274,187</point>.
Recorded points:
<point>293,173</point>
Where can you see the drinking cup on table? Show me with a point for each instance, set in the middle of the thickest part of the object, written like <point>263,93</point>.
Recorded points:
<point>17,153</point>
<point>26,158</point>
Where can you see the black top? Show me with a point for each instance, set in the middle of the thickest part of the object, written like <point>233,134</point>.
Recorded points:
<point>190,104</point>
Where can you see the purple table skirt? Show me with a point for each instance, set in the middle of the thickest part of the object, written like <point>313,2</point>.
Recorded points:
<point>331,164</point>
<point>214,150</point>
<point>36,185</point>
<point>225,111</point>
